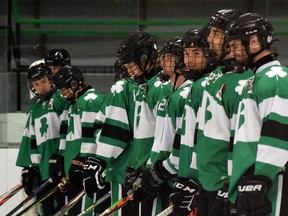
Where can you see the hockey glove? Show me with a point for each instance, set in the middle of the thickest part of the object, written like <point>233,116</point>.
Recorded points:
<point>76,171</point>
<point>131,176</point>
<point>184,196</point>
<point>153,178</point>
<point>56,168</point>
<point>93,181</point>
<point>222,204</point>
<point>252,196</point>
<point>31,179</point>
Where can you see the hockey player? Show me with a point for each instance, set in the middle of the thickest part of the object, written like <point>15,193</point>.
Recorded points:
<point>115,146</point>
<point>260,147</point>
<point>56,59</point>
<point>199,61</point>
<point>167,123</point>
<point>85,104</point>
<point>217,26</point>
<point>218,132</point>
<point>41,137</point>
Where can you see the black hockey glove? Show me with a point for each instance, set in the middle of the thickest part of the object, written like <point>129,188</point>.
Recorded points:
<point>131,176</point>
<point>184,196</point>
<point>56,168</point>
<point>31,179</point>
<point>93,181</point>
<point>252,196</point>
<point>222,205</point>
<point>76,171</point>
<point>153,178</point>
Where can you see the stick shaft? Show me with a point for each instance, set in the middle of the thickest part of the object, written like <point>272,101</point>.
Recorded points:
<point>42,187</point>
<point>94,205</point>
<point>7,195</point>
<point>166,211</point>
<point>70,204</point>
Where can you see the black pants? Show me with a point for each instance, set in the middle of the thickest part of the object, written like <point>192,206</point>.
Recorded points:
<point>205,203</point>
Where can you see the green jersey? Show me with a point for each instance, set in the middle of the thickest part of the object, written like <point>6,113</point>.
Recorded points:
<point>218,132</point>
<point>171,123</point>
<point>41,136</point>
<point>80,139</point>
<point>115,139</point>
<point>62,111</point>
<point>260,140</point>
<point>183,147</point>
<point>147,99</point>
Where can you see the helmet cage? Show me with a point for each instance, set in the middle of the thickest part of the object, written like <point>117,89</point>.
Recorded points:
<point>174,47</point>
<point>198,38</point>
<point>140,48</point>
<point>65,77</point>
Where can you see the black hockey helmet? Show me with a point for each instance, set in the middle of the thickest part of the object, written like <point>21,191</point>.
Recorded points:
<point>36,72</point>
<point>65,77</point>
<point>58,57</point>
<point>175,47</point>
<point>250,24</point>
<point>222,18</point>
<point>198,38</point>
<point>140,48</point>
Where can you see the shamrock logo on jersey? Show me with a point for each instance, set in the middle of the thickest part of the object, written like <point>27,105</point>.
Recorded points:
<point>204,82</point>
<point>276,72</point>
<point>44,126</point>
<point>117,87</point>
<point>185,92</point>
<point>90,97</point>
<point>240,87</point>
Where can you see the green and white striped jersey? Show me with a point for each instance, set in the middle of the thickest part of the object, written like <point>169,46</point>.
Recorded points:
<point>62,111</point>
<point>80,140</point>
<point>222,102</point>
<point>147,99</point>
<point>41,136</point>
<point>182,153</point>
<point>261,134</point>
<point>171,123</point>
<point>115,139</point>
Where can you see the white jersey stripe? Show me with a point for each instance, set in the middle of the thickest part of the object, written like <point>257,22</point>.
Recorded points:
<point>117,114</point>
<point>88,148</point>
<point>36,158</point>
<point>278,158</point>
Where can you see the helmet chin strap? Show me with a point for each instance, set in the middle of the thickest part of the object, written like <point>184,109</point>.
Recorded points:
<point>176,79</point>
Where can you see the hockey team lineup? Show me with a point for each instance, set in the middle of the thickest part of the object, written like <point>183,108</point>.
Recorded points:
<point>197,127</point>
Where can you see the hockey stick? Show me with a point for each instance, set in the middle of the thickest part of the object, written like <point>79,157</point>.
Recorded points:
<point>70,204</point>
<point>169,210</point>
<point>117,205</point>
<point>94,205</point>
<point>43,197</point>
<point>34,194</point>
<point>122,202</point>
<point>7,195</point>
<point>166,211</point>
